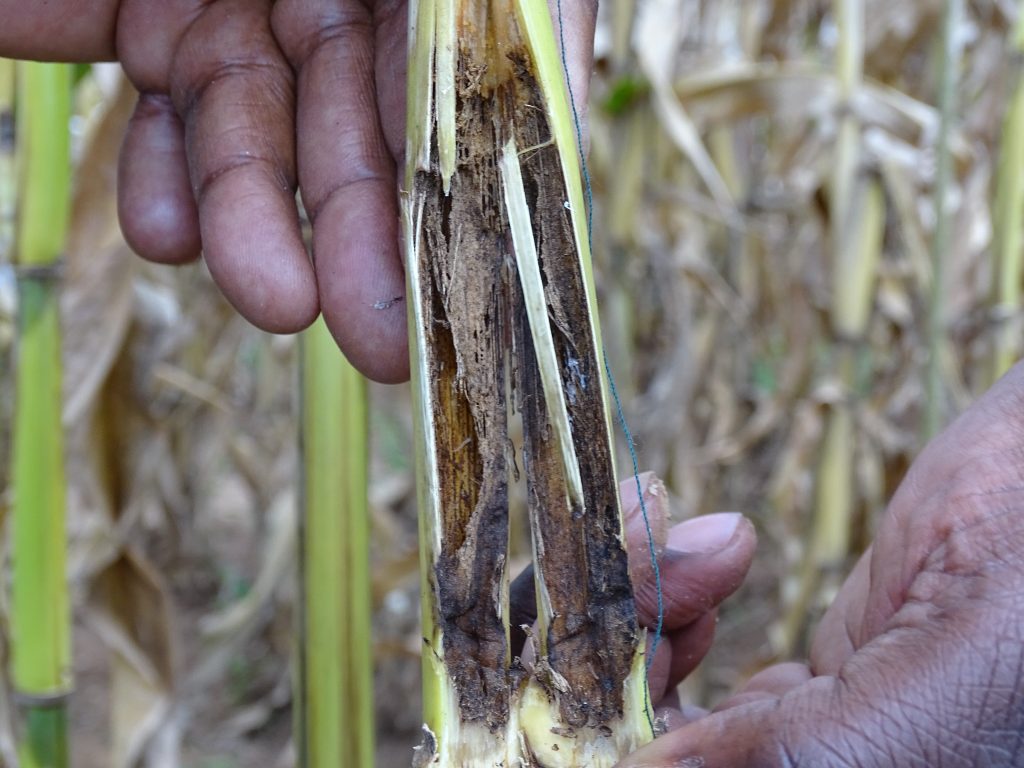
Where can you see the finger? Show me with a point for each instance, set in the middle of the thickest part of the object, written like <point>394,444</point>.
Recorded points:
<point>670,699</point>
<point>55,32</point>
<point>348,180</point>
<point>646,525</point>
<point>720,740</point>
<point>391,50</point>
<point>154,200</point>
<point>235,91</point>
<point>148,34</point>
<point>575,21</point>
<point>672,714</point>
<point>659,670</point>
<point>779,679</point>
<point>770,683</point>
<point>970,460</point>
<point>768,733</point>
<point>907,698</point>
<point>690,645</point>
<point>839,634</point>
<point>670,718</point>
<point>705,561</point>
<point>975,458</point>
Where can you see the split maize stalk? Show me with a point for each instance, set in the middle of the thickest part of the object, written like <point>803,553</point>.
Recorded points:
<point>1009,214</point>
<point>334,714</point>
<point>40,614</point>
<point>502,317</point>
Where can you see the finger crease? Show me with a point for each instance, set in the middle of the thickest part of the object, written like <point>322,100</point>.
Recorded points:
<point>196,89</point>
<point>343,31</point>
<point>332,192</point>
<point>239,163</point>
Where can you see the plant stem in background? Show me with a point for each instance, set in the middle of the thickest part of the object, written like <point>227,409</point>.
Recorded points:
<point>334,716</point>
<point>1009,215</point>
<point>949,61</point>
<point>857,218</point>
<point>502,316</point>
<point>40,614</point>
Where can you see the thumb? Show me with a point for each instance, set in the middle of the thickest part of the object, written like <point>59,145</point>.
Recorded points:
<point>899,702</point>
<point>813,725</point>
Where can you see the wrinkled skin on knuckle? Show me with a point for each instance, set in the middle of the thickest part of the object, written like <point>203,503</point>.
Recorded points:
<point>942,686</point>
<point>961,680</point>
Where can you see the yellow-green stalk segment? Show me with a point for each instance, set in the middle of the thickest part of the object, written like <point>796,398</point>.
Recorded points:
<point>40,615</point>
<point>1008,244</point>
<point>501,296</point>
<point>335,703</point>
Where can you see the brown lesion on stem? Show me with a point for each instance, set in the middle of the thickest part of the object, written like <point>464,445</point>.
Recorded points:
<point>592,635</point>
<point>475,324</point>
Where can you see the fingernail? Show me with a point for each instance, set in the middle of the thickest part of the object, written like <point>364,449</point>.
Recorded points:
<point>650,486</point>
<point>705,534</point>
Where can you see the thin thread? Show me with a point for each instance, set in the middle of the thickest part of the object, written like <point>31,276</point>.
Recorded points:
<point>589,192</point>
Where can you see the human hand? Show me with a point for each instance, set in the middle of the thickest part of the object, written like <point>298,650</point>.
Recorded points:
<point>239,101</point>
<point>919,660</point>
<point>702,561</point>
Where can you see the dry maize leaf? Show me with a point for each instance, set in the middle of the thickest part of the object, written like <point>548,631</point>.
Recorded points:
<point>129,608</point>
<point>97,298</point>
<point>128,604</point>
<point>656,38</point>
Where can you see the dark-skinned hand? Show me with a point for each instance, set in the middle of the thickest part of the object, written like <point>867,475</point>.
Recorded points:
<point>919,662</point>
<point>242,100</point>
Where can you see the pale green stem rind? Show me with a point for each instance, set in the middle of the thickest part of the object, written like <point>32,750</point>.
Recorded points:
<point>40,606</point>
<point>444,73</point>
<point>537,312</point>
<point>437,688</point>
<point>45,743</point>
<point>44,161</point>
<point>40,616</point>
<point>1009,215</point>
<point>586,747</point>
<point>337,695</point>
<point>420,86</point>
